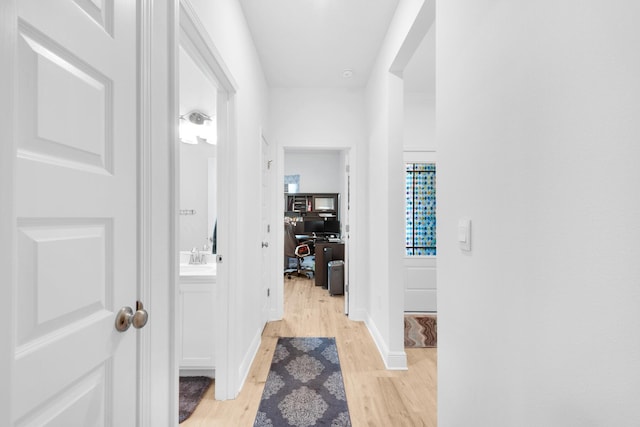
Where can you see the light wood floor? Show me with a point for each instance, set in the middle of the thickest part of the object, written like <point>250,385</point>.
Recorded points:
<point>375,396</point>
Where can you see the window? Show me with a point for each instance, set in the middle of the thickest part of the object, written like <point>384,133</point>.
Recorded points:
<point>421,209</point>
<point>291,183</point>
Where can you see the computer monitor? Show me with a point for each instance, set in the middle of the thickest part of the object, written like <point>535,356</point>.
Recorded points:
<point>332,226</point>
<point>314,226</point>
<point>321,203</point>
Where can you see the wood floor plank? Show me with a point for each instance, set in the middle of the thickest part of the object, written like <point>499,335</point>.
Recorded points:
<point>376,397</point>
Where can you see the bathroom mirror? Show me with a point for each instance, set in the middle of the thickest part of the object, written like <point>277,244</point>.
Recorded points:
<point>197,158</point>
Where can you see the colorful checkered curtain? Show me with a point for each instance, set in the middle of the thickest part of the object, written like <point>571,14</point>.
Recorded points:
<point>421,209</point>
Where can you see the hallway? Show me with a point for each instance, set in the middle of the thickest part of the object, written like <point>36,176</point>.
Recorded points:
<point>376,397</point>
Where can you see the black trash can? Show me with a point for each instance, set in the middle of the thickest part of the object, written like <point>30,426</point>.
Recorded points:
<point>327,256</point>
<point>335,275</point>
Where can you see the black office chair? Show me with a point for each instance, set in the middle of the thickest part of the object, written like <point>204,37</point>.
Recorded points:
<point>297,250</point>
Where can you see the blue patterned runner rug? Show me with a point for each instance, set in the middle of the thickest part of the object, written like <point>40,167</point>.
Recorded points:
<point>191,391</point>
<point>304,387</point>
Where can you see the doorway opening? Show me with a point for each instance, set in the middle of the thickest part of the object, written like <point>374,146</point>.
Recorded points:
<point>417,68</point>
<point>317,193</point>
<point>197,231</point>
<point>203,152</point>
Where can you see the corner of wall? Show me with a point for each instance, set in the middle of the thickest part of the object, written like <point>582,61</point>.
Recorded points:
<point>393,360</point>
<point>247,361</point>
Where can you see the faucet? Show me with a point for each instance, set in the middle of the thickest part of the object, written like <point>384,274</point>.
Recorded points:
<point>196,257</point>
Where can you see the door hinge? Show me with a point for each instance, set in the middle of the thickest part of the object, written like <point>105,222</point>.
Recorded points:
<point>268,228</point>
<point>268,292</point>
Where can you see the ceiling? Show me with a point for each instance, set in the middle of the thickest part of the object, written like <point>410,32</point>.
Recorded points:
<point>309,43</point>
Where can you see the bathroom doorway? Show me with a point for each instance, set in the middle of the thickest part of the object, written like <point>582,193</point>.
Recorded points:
<point>197,233</point>
<point>205,147</point>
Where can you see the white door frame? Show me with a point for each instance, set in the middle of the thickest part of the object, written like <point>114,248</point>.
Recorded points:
<point>7,213</point>
<point>267,234</point>
<point>194,38</point>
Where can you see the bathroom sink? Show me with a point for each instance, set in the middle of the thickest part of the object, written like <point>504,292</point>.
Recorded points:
<point>197,269</point>
<point>207,269</point>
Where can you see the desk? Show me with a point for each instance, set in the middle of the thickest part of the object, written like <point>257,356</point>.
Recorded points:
<point>337,253</point>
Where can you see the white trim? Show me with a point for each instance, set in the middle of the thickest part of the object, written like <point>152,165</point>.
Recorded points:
<point>162,393</point>
<point>420,156</point>
<point>223,356</point>
<point>419,29</point>
<point>352,280</point>
<point>197,372</point>
<point>247,360</point>
<point>8,262</point>
<point>144,183</point>
<point>173,111</point>
<point>277,308</point>
<point>272,215</point>
<point>202,43</point>
<point>226,342</point>
<point>393,361</point>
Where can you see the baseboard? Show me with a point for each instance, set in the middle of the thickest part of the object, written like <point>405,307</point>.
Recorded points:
<point>188,372</point>
<point>393,360</point>
<point>274,315</point>
<point>250,355</point>
<point>396,361</point>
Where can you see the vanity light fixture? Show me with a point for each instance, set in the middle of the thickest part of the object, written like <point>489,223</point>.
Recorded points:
<point>196,126</point>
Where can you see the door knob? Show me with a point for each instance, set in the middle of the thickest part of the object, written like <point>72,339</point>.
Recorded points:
<point>140,317</point>
<point>123,319</point>
<point>265,244</point>
<point>126,317</point>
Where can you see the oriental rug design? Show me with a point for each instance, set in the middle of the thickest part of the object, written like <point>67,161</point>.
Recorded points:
<point>420,331</point>
<point>304,386</point>
<point>191,391</point>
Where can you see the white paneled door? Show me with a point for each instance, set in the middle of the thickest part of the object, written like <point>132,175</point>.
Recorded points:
<point>420,284</point>
<point>75,213</point>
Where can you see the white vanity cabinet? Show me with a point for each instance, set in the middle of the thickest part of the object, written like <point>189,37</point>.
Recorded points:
<point>197,292</point>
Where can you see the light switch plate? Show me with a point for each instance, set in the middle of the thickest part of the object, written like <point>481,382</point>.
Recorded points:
<point>464,234</point>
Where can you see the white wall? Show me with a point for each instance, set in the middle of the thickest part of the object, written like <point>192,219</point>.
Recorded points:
<point>316,117</point>
<point>319,170</point>
<point>229,33</point>
<point>197,192</point>
<point>419,121</point>
<point>537,136</point>
<point>385,121</point>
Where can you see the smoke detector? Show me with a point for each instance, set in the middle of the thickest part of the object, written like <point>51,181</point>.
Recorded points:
<point>347,74</point>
